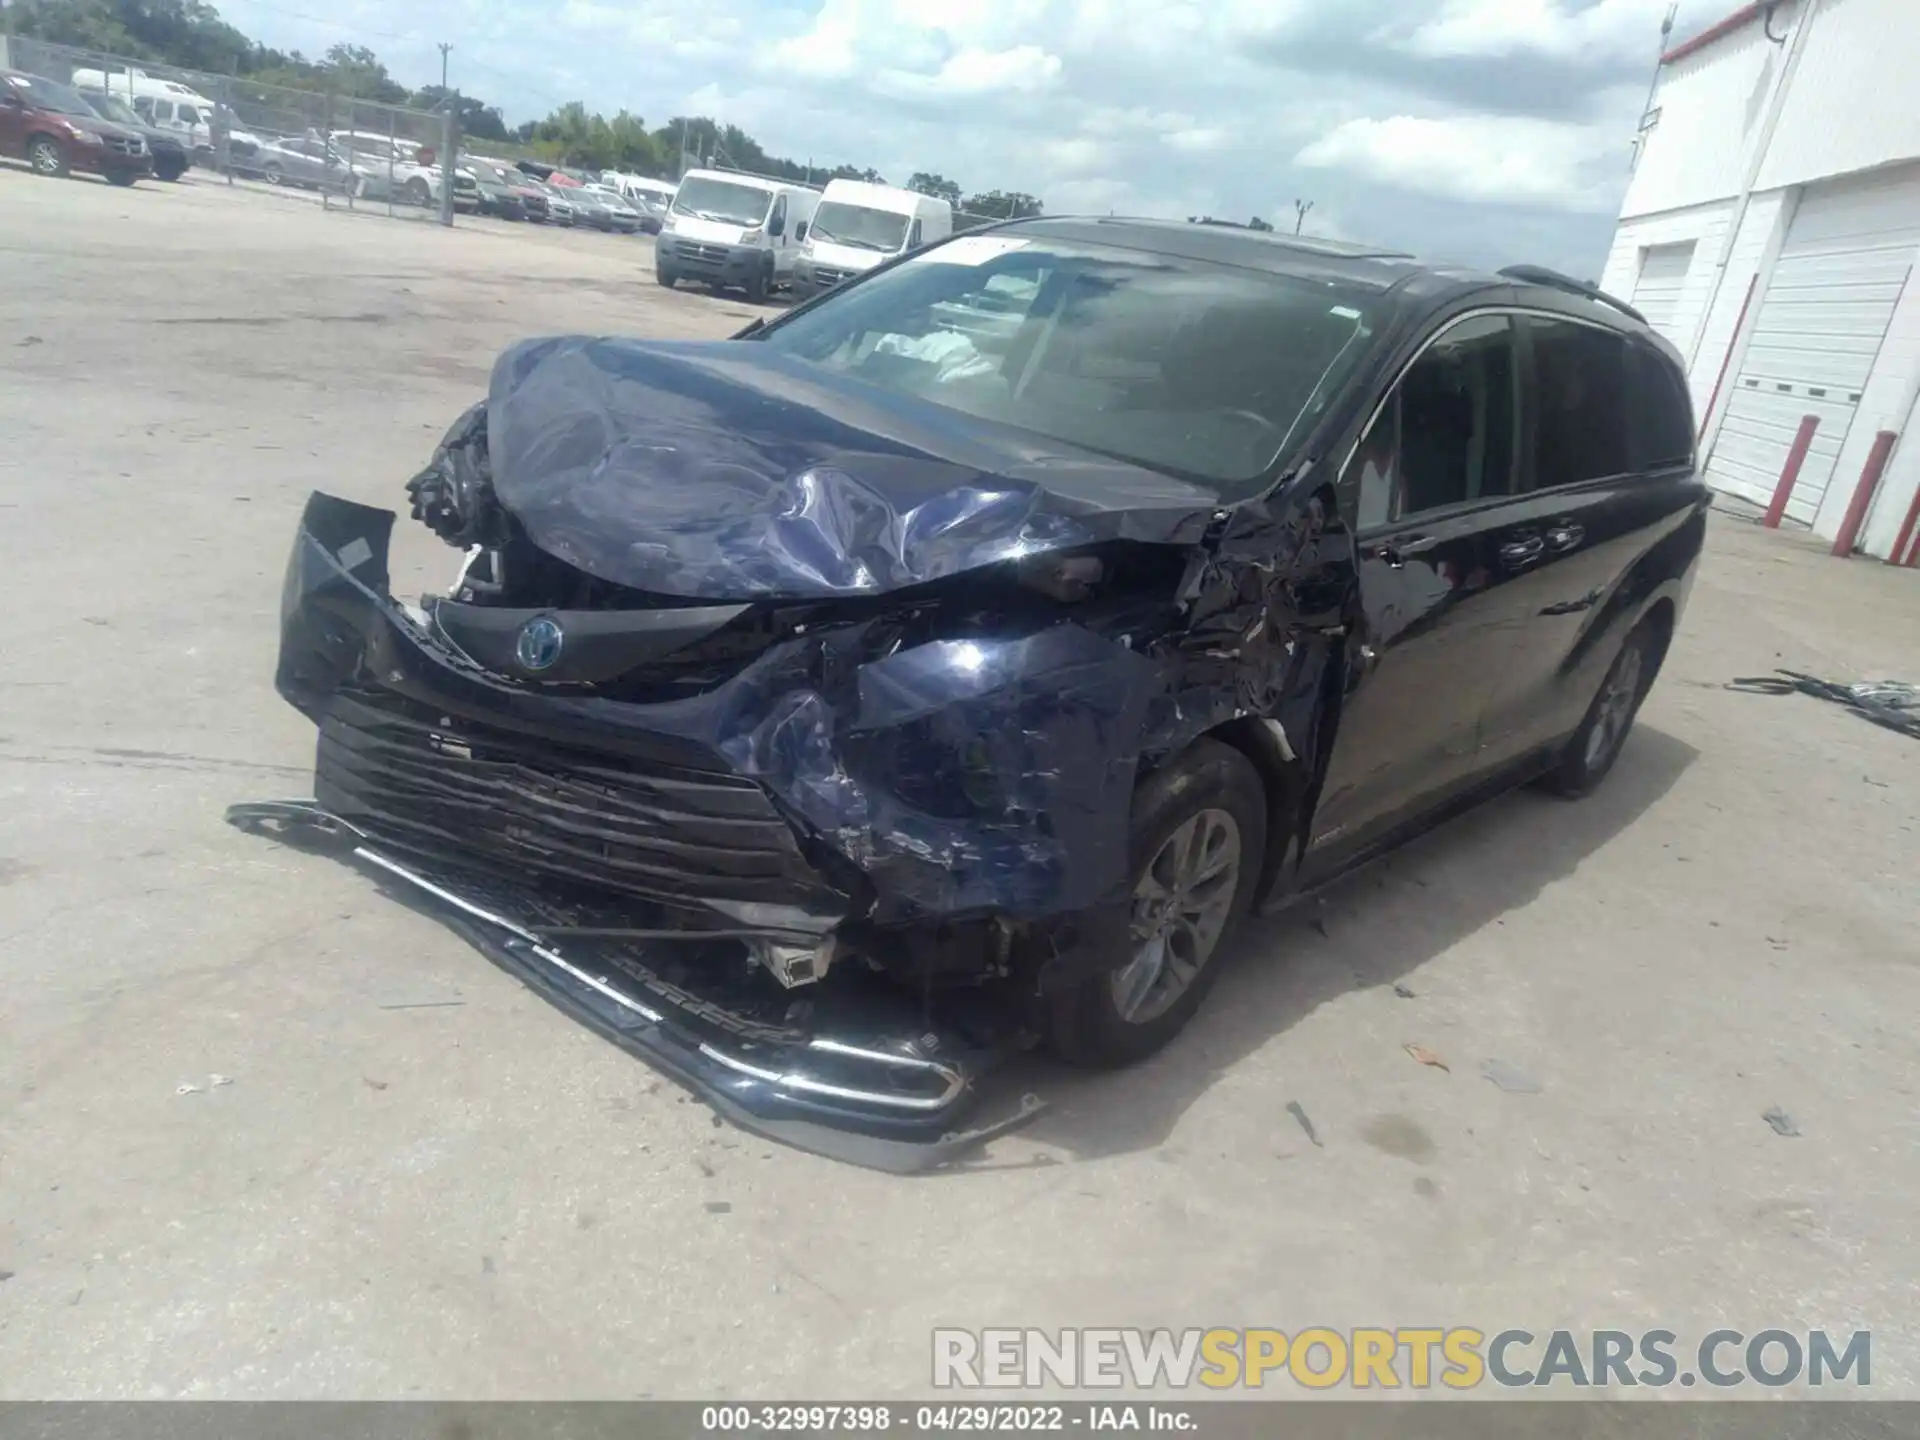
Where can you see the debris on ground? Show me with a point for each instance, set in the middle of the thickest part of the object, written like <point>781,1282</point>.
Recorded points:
<point>1294,1109</point>
<point>1781,1122</point>
<point>718,1207</point>
<point>1510,1078</point>
<point>1893,704</point>
<point>216,1081</point>
<point>1427,1057</point>
<point>373,1084</point>
<point>187,1087</point>
<point>1403,992</point>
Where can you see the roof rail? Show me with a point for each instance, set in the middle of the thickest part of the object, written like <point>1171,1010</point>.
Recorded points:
<point>1553,279</point>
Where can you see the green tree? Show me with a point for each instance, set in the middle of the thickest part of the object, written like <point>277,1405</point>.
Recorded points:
<point>936,185</point>
<point>477,118</point>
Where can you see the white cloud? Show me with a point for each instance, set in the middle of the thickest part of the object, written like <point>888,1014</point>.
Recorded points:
<point>1482,28</point>
<point>974,72</point>
<point>1497,159</point>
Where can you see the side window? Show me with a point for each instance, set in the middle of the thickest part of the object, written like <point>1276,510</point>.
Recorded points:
<point>913,236</point>
<point>779,215</point>
<point>144,104</point>
<point>1448,432</point>
<point>1662,410</point>
<point>1580,402</point>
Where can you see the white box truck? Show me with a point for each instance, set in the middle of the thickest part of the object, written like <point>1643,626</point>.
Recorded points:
<point>858,225</point>
<point>727,229</point>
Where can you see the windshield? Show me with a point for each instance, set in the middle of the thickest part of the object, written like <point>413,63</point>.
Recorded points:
<point>108,108</point>
<point>1208,372</point>
<point>842,224</point>
<point>57,98</point>
<point>722,200</point>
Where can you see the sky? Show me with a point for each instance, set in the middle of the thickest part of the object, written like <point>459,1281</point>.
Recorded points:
<point>1480,131</point>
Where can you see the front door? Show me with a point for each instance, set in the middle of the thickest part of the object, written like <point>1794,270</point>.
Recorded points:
<point>13,121</point>
<point>779,235</point>
<point>1431,479</point>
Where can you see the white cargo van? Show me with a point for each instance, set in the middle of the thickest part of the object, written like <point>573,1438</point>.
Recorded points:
<point>729,229</point>
<point>859,225</point>
<point>163,104</point>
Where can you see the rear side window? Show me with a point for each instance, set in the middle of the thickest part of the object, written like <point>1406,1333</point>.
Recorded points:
<point>1580,402</point>
<point>1447,433</point>
<point>1662,410</point>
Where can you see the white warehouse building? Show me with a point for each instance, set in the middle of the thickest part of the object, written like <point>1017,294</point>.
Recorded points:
<point>1771,230</point>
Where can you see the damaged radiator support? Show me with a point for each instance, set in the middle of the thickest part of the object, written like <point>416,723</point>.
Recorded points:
<point>862,1097</point>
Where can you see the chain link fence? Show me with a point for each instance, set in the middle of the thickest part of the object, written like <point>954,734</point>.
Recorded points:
<point>333,150</point>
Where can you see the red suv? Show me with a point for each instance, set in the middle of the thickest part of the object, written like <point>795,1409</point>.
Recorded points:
<point>53,129</point>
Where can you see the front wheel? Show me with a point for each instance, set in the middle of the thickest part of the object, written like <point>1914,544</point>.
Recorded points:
<point>417,193</point>
<point>170,170</point>
<point>1596,744</point>
<point>1197,842</point>
<point>122,177</point>
<point>46,157</point>
<point>665,277</point>
<point>757,286</point>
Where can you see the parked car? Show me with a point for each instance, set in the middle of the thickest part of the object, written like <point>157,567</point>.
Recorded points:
<point>54,130</point>
<point>560,208</point>
<point>978,684</point>
<point>618,214</point>
<point>499,195</point>
<point>307,162</point>
<point>169,154</point>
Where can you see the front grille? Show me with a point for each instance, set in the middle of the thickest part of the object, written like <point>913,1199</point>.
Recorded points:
<point>125,145</point>
<point>455,789</point>
<point>703,254</point>
<point>826,278</point>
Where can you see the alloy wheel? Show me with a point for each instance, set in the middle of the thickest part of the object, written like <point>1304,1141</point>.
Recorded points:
<point>1615,712</point>
<point>45,158</point>
<point>1181,906</point>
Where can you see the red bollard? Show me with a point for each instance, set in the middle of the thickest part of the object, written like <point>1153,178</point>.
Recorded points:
<point>1790,472</point>
<point>1863,493</point>
<point>1898,554</point>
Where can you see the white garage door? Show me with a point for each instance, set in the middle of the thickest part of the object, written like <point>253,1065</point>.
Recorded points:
<point>1656,293</point>
<point>1846,260</point>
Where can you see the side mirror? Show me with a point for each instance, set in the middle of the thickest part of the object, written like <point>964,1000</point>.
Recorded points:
<point>12,101</point>
<point>800,231</point>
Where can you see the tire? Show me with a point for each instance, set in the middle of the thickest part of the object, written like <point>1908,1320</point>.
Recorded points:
<point>122,177</point>
<point>1596,745</point>
<point>757,286</point>
<point>1211,798</point>
<point>170,170</point>
<point>46,157</point>
<point>273,174</point>
<point>665,277</point>
<point>415,192</point>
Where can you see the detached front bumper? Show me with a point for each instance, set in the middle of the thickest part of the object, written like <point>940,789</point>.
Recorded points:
<point>847,1087</point>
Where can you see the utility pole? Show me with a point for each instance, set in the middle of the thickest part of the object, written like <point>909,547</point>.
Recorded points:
<point>444,48</point>
<point>1300,209</point>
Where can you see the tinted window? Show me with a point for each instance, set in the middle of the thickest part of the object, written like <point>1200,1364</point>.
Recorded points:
<point>1209,372</point>
<point>1662,410</point>
<point>1580,407</point>
<point>1447,434</point>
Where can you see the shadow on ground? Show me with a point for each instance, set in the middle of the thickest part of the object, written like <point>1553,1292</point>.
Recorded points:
<point>1283,968</point>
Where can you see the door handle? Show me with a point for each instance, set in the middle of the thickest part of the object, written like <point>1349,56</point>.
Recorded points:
<point>1397,550</point>
<point>1518,554</point>
<point>1565,534</point>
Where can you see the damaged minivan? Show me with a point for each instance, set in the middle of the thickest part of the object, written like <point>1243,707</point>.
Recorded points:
<point>949,663</point>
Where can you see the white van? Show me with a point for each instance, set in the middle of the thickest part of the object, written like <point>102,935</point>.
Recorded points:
<point>859,225</point>
<point>725,228</point>
<point>650,197</point>
<point>163,104</point>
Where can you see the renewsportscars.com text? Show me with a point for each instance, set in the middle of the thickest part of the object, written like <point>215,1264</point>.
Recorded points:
<point>1457,1358</point>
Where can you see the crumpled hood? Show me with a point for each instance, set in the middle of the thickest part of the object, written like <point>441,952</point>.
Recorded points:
<point>721,470</point>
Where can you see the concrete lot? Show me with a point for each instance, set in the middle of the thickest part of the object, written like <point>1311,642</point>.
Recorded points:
<point>423,1181</point>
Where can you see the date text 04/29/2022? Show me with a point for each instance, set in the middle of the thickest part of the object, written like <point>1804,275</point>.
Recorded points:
<point>943,1418</point>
